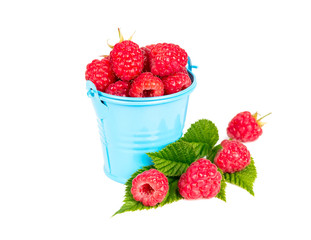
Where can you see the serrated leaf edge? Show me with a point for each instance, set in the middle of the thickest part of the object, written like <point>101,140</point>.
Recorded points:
<point>231,178</point>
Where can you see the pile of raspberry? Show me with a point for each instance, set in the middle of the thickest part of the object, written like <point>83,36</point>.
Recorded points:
<point>133,71</point>
<point>202,179</point>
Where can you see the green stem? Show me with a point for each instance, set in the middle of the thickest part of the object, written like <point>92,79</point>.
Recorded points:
<point>263,117</point>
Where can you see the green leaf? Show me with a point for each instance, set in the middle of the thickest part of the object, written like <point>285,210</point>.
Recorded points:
<point>203,135</point>
<point>130,204</point>
<point>245,178</point>
<point>222,193</point>
<point>173,192</point>
<point>213,153</point>
<point>174,159</point>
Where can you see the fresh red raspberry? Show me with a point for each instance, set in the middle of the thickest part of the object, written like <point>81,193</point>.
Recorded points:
<point>175,83</point>
<point>167,59</point>
<point>150,46</point>
<point>100,73</point>
<point>150,187</point>
<point>245,127</point>
<point>146,85</point>
<point>119,88</point>
<point>184,70</point>
<point>201,180</point>
<point>127,60</point>
<point>233,157</point>
<point>146,53</point>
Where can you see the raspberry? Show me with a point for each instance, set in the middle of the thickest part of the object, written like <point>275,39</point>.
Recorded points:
<point>245,127</point>
<point>146,85</point>
<point>184,70</point>
<point>127,60</point>
<point>118,88</point>
<point>167,59</point>
<point>233,157</point>
<point>146,53</point>
<point>100,73</point>
<point>175,83</point>
<point>150,187</point>
<point>201,180</point>
<point>150,46</point>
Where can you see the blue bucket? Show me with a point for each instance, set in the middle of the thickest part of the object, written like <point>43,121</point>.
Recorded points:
<point>130,127</point>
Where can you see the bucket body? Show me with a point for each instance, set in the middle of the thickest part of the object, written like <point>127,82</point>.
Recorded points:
<point>131,127</point>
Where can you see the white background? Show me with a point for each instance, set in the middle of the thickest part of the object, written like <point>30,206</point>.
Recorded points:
<point>252,55</point>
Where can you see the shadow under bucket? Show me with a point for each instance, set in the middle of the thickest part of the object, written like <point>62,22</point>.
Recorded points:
<point>131,127</point>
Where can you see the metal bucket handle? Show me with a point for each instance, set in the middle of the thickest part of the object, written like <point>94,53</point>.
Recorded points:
<point>190,66</point>
<point>93,94</point>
